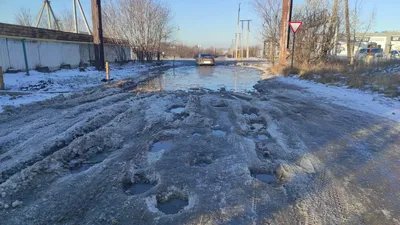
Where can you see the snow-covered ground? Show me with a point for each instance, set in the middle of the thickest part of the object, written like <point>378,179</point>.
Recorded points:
<point>353,98</point>
<point>23,89</point>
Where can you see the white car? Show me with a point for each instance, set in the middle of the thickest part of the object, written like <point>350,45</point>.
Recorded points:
<point>395,54</point>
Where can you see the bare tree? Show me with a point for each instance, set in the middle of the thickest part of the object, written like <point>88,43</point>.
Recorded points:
<point>141,24</point>
<point>24,17</point>
<point>317,34</point>
<point>66,21</point>
<point>269,12</point>
<point>348,35</point>
<point>359,26</point>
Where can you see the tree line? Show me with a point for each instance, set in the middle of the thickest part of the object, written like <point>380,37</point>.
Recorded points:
<point>325,22</point>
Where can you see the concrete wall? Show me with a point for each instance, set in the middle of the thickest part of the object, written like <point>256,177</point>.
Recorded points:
<point>50,54</point>
<point>48,48</point>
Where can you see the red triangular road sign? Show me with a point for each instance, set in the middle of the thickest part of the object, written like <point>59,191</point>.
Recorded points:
<point>295,26</point>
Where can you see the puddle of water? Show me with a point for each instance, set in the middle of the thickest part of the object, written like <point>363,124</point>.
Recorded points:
<point>139,188</point>
<point>196,135</point>
<point>172,206</point>
<point>232,78</point>
<point>219,132</point>
<point>177,110</point>
<point>262,137</point>
<point>161,145</point>
<point>267,178</point>
<point>202,164</point>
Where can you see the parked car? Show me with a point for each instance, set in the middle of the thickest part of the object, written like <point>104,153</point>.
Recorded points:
<point>377,52</point>
<point>205,59</point>
<point>395,54</point>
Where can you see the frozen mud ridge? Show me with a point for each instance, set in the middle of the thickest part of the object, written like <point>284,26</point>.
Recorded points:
<point>111,155</point>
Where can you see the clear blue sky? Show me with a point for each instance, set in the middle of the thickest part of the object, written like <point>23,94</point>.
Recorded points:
<point>211,22</point>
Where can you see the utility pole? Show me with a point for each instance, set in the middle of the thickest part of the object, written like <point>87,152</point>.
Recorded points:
<point>284,27</point>
<point>48,15</point>
<point>75,16</point>
<point>46,3</point>
<point>98,34</point>
<point>241,43</point>
<point>84,17</point>
<point>237,33</point>
<point>248,38</point>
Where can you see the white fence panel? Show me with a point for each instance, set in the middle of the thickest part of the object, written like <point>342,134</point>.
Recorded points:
<point>50,54</point>
<point>16,54</point>
<point>32,53</point>
<point>70,54</point>
<point>4,60</point>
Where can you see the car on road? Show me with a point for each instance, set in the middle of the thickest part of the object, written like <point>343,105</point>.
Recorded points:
<point>205,59</point>
<point>395,54</point>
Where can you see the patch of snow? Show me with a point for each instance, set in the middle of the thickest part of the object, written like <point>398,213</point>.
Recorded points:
<point>352,98</point>
<point>41,86</point>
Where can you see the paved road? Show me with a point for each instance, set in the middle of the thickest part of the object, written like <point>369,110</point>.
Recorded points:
<point>111,155</point>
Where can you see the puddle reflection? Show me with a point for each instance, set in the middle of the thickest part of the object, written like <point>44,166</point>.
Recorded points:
<point>231,78</point>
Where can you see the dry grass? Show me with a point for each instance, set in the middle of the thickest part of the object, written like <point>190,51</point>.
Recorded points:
<point>359,76</point>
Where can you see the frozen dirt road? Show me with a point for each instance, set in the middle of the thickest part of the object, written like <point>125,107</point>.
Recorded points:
<point>119,155</point>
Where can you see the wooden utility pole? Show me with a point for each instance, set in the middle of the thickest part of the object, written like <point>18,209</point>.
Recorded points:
<point>284,34</point>
<point>98,35</point>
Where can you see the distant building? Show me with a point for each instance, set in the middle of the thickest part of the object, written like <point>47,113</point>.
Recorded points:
<point>386,40</point>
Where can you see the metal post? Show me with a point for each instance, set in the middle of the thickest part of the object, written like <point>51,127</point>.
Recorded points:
<point>48,15</point>
<point>40,14</point>
<point>84,17</point>
<point>25,57</point>
<point>75,16</point>
<point>90,58</point>
<point>1,79</point>
<point>107,72</point>
<point>290,20</point>
<point>294,41</point>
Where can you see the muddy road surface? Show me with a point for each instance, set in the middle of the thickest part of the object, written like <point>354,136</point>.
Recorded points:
<point>158,155</point>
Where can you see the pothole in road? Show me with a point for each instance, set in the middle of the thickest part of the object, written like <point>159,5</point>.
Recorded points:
<point>262,137</point>
<point>173,204</point>
<point>201,161</point>
<point>139,185</point>
<point>250,110</point>
<point>218,132</point>
<point>79,165</point>
<point>266,178</point>
<point>177,109</point>
<point>220,104</point>
<point>161,145</point>
<point>263,176</point>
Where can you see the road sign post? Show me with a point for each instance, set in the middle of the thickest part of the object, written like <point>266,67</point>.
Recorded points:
<point>295,27</point>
